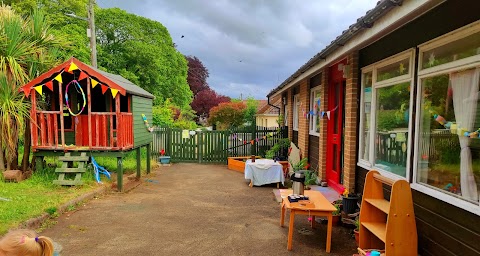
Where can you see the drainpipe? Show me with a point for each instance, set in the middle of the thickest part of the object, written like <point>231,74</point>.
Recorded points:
<point>268,102</point>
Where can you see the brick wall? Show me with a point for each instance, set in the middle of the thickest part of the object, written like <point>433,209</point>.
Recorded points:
<point>322,161</point>
<point>350,130</point>
<point>304,96</point>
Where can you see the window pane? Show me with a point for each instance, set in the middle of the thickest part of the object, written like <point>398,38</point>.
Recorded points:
<point>393,70</point>
<point>448,160</point>
<point>367,100</point>
<point>460,49</point>
<point>392,128</point>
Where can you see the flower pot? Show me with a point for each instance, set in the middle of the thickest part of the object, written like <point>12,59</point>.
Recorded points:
<point>164,159</point>
<point>357,235</point>
<point>335,220</point>
<point>349,204</point>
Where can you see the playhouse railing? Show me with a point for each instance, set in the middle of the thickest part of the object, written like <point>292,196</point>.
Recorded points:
<point>102,135</point>
<point>44,129</point>
<point>125,130</point>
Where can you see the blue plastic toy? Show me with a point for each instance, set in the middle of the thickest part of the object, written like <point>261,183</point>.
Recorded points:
<point>99,170</point>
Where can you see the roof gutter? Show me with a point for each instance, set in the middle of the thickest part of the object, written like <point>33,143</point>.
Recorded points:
<point>362,23</point>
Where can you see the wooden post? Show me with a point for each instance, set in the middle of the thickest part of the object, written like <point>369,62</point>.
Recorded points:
<point>89,102</point>
<point>62,127</point>
<point>149,151</point>
<point>117,113</point>
<point>119,174</point>
<point>200,146</point>
<point>139,163</point>
<point>38,163</point>
<point>34,126</point>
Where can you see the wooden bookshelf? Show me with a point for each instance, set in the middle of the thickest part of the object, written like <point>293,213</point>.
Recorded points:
<point>387,226</point>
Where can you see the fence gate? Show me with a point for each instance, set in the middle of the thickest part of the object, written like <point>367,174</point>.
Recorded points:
<point>213,146</point>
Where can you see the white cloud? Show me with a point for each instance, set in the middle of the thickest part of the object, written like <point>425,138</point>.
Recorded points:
<point>249,46</point>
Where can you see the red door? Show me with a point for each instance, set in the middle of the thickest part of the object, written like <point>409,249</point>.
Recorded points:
<point>336,95</point>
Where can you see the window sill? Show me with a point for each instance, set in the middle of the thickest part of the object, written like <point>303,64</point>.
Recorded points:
<point>457,202</point>
<point>314,134</point>
<point>383,172</point>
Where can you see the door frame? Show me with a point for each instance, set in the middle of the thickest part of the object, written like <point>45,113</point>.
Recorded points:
<point>335,77</point>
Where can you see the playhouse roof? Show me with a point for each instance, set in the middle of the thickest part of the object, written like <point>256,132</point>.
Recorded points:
<point>111,80</point>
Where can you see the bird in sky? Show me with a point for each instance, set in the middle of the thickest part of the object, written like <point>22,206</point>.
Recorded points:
<point>183,36</point>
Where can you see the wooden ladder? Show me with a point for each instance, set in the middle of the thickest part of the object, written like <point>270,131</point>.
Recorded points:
<point>62,171</point>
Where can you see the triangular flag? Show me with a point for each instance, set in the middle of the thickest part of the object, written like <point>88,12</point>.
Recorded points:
<point>66,70</point>
<point>49,85</point>
<point>27,92</point>
<point>323,113</point>
<point>72,67</point>
<point>38,89</point>
<point>94,83</point>
<point>114,92</point>
<point>104,88</point>
<point>59,78</point>
<point>328,115</point>
<point>251,142</point>
<point>318,102</point>
<point>82,76</point>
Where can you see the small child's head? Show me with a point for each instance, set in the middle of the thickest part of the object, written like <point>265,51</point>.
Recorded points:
<point>24,242</point>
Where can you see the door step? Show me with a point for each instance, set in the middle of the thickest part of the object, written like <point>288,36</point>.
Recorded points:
<point>64,170</point>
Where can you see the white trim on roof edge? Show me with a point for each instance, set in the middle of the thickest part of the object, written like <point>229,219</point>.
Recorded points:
<point>394,19</point>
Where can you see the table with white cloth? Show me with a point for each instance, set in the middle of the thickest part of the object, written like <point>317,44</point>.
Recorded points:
<point>264,171</point>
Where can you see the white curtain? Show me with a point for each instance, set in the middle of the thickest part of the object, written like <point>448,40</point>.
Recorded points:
<point>465,96</point>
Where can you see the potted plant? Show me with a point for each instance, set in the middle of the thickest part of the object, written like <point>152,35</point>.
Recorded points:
<point>336,215</point>
<point>356,231</point>
<point>163,159</point>
<point>349,202</point>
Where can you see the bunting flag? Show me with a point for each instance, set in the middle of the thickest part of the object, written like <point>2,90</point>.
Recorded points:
<point>251,142</point>
<point>104,88</point>
<point>318,102</point>
<point>114,92</point>
<point>82,76</point>
<point>59,78</point>
<point>38,89</point>
<point>49,85</point>
<point>328,115</point>
<point>66,70</point>
<point>95,82</point>
<point>72,67</point>
<point>323,114</point>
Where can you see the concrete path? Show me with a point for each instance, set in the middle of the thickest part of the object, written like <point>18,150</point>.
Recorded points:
<point>190,209</point>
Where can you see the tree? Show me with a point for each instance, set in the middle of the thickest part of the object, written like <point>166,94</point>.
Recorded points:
<point>27,47</point>
<point>228,114</point>
<point>251,111</point>
<point>62,26</point>
<point>197,75</point>
<point>206,100</point>
<point>142,51</point>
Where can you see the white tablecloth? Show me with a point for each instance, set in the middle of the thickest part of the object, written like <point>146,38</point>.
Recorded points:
<point>264,171</point>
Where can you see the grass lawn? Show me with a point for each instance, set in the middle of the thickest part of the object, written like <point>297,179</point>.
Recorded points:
<point>37,195</point>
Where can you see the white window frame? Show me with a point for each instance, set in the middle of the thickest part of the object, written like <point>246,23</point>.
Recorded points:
<point>369,165</point>
<point>362,162</point>
<point>285,115</point>
<point>462,64</point>
<point>312,124</point>
<point>296,108</point>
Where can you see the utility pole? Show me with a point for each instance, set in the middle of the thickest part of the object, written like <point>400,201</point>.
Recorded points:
<point>93,38</point>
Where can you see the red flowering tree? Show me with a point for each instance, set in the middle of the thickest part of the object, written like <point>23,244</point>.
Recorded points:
<point>228,114</point>
<point>205,100</point>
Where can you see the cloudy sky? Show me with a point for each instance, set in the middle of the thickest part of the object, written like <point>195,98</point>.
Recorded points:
<point>249,46</point>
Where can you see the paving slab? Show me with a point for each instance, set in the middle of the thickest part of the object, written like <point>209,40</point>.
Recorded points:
<point>190,209</point>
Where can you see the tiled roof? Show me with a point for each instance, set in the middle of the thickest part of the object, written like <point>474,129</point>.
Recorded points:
<point>268,109</point>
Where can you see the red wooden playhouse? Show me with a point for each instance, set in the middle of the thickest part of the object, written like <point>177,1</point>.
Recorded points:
<point>80,111</point>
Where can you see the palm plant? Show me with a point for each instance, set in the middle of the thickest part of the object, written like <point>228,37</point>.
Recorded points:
<point>27,48</point>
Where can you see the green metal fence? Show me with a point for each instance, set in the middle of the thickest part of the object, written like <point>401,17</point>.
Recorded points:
<point>214,146</point>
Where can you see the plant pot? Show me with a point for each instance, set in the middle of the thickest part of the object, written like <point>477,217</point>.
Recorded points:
<point>335,220</point>
<point>349,204</point>
<point>357,235</point>
<point>164,159</point>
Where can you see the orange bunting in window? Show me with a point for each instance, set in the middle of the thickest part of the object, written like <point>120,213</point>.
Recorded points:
<point>94,83</point>
<point>72,67</point>
<point>59,78</point>
<point>104,88</point>
<point>82,76</point>
<point>114,92</point>
<point>49,85</point>
<point>38,89</point>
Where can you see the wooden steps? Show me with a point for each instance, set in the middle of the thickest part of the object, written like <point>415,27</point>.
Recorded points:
<point>64,170</point>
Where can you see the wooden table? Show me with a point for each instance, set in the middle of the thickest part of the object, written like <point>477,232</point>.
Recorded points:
<point>317,205</point>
